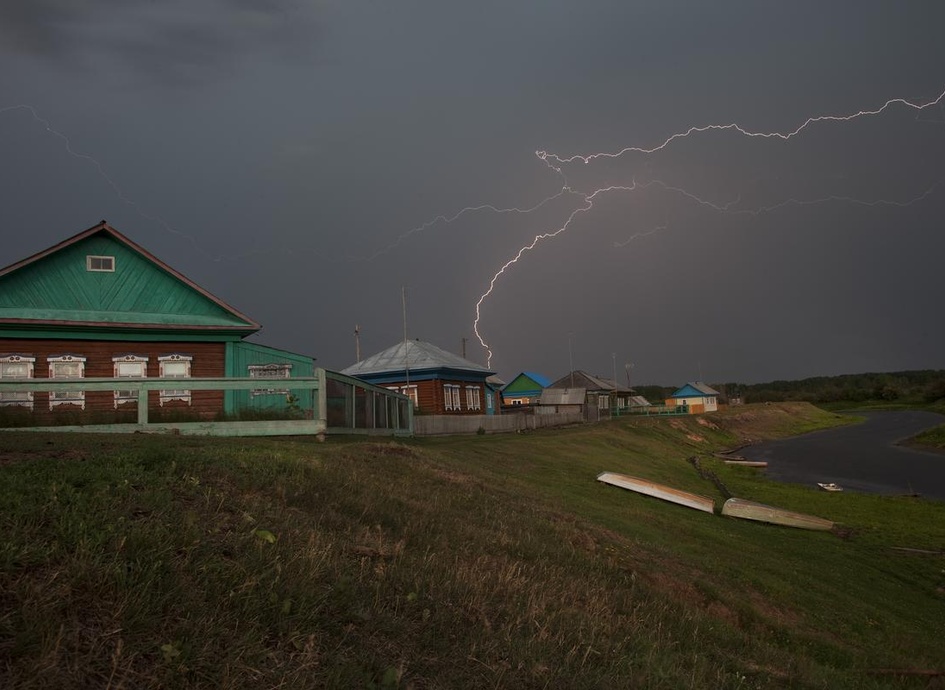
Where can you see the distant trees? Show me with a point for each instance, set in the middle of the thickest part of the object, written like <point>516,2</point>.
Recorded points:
<point>923,386</point>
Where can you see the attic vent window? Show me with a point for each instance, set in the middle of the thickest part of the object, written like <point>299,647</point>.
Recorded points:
<point>100,263</point>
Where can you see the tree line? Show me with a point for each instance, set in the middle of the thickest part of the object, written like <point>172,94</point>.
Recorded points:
<point>925,386</point>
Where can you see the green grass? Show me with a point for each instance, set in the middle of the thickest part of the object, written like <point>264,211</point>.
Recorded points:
<point>483,561</point>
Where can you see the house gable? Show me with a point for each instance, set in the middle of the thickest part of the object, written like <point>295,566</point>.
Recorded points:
<point>526,382</point>
<point>694,390</point>
<point>100,280</point>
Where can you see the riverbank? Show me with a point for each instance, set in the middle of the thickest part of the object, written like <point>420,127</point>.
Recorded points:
<point>486,561</point>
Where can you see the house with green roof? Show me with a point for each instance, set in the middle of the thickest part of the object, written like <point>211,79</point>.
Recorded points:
<point>524,389</point>
<point>99,305</point>
<point>437,381</point>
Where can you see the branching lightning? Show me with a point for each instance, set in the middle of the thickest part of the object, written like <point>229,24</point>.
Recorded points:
<point>556,163</point>
<point>548,157</point>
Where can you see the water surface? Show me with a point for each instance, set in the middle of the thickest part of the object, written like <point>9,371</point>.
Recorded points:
<point>861,457</point>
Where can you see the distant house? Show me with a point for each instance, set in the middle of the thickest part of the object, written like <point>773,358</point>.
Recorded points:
<point>601,393</point>
<point>97,305</point>
<point>525,389</point>
<point>561,400</point>
<point>437,381</point>
<point>697,396</point>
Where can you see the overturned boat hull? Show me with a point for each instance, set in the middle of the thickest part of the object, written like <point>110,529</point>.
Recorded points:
<point>749,510</point>
<point>666,493</point>
<point>747,463</point>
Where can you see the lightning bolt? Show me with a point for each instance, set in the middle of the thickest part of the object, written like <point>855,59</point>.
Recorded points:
<point>784,136</point>
<point>556,164</point>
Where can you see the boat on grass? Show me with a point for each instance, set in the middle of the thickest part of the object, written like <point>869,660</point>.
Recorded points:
<point>749,510</point>
<point>747,463</point>
<point>666,493</point>
<point>830,486</point>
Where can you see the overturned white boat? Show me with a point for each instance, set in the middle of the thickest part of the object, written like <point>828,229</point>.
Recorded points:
<point>749,510</point>
<point>829,486</point>
<point>666,493</point>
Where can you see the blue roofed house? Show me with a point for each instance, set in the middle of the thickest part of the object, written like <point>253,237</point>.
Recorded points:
<point>524,389</point>
<point>696,396</point>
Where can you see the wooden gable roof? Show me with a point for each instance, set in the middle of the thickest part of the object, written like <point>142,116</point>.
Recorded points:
<point>56,289</point>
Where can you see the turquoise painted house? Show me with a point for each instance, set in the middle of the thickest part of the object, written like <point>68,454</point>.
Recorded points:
<point>524,389</point>
<point>97,305</point>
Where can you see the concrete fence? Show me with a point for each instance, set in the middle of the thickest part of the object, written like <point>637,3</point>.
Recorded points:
<point>434,425</point>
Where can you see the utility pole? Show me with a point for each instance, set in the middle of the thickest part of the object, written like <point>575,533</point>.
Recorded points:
<point>464,348</point>
<point>403,299</point>
<point>357,342</point>
<point>571,360</point>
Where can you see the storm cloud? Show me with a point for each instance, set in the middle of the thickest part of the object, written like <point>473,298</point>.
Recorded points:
<point>309,163</point>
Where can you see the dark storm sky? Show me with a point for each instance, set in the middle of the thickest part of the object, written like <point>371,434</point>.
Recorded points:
<point>299,159</point>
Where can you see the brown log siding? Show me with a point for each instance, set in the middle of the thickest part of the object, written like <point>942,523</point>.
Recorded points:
<point>432,399</point>
<point>208,361</point>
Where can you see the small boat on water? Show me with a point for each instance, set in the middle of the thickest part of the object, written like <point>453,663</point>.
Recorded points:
<point>749,510</point>
<point>666,493</point>
<point>830,487</point>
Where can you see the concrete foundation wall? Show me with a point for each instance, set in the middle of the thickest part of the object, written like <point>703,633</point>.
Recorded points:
<point>434,425</point>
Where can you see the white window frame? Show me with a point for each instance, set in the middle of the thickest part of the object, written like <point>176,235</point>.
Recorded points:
<point>451,401</point>
<point>410,391</point>
<point>473,398</point>
<point>9,363</point>
<point>97,263</point>
<point>121,366</point>
<point>178,394</point>
<point>413,393</point>
<point>274,370</point>
<point>66,397</point>
<point>603,402</point>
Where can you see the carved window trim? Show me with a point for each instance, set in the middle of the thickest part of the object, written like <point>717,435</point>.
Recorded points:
<point>273,370</point>
<point>8,364</point>
<point>122,372</point>
<point>175,362</point>
<point>57,365</point>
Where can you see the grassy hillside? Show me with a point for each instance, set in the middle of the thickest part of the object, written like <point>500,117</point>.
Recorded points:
<point>487,561</point>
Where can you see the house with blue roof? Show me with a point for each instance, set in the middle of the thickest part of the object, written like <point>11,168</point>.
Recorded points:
<point>437,381</point>
<point>696,396</point>
<point>524,389</point>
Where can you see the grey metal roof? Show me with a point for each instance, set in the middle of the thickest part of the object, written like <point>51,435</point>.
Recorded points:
<point>562,396</point>
<point>415,354</point>
<point>591,383</point>
<point>702,388</point>
<point>639,401</point>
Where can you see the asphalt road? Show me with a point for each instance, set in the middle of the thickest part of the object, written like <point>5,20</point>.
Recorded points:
<point>863,457</point>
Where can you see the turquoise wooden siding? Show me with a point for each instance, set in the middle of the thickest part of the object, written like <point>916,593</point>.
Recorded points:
<point>241,355</point>
<point>58,287</point>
